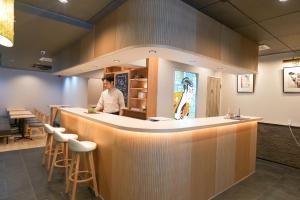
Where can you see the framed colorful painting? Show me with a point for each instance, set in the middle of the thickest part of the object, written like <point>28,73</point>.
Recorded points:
<point>291,79</point>
<point>245,83</point>
<point>185,94</point>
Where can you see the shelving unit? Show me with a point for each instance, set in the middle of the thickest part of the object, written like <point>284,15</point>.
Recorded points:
<point>140,97</point>
<point>138,86</point>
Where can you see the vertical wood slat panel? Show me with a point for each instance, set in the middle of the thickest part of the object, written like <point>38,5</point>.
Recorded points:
<point>243,148</point>
<point>192,165</point>
<point>171,24</point>
<point>226,147</point>
<point>152,65</point>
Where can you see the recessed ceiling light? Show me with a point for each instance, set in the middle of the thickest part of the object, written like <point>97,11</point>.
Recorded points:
<point>63,1</point>
<point>282,0</point>
<point>152,51</point>
<point>116,61</point>
<point>263,47</point>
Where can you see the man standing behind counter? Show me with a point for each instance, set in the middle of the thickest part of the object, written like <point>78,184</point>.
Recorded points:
<point>112,99</point>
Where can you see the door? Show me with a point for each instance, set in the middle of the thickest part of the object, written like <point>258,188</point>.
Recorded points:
<point>213,97</point>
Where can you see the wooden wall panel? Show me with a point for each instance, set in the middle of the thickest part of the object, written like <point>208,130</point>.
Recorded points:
<point>238,50</point>
<point>87,47</point>
<point>226,148</point>
<point>193,165</point>
<point>253,145</point>
<point>203,172</point>
<point>105,35</point>
<point>244,145</point>
<point>172,24</point>
<point>152,65</point>
<point>208,37</point>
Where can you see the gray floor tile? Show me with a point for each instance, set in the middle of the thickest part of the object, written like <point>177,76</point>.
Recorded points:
<point>23,177</point>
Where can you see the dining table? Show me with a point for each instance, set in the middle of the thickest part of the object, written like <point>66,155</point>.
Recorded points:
<point>9,109</point>
<point>20,116</point>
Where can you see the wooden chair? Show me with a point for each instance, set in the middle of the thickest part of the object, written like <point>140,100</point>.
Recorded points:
<point>36,125</point>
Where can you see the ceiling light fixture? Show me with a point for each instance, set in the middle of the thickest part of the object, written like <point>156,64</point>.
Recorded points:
<point>282,0</point>
<point>263,47</point>
<point>63,1</point>
<point>152,51</point>
<point>7,18</point>
<point>116,61</point>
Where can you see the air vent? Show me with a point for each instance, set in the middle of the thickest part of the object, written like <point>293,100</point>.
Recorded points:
<point>42,67</point>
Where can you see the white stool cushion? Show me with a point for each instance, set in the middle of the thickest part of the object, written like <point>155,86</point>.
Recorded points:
<point>81,146</point>
<point>50,129</point>
<point>64,137</point>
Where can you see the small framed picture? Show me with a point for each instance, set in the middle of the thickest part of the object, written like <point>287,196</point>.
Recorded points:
<point>245,83</point>
<point>291,79</point>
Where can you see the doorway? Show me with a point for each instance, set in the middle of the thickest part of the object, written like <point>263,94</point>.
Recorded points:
<point>213,97</point>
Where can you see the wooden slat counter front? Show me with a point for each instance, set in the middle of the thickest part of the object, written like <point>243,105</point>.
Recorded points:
<point>168,160</point>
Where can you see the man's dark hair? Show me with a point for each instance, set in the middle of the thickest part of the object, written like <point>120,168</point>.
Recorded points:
<point>108,78</point>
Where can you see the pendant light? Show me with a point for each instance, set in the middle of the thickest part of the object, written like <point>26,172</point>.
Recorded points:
<point>7,18</point>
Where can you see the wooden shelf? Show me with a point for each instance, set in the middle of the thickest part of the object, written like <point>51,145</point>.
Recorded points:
<point>137,111</point>
<point>144,99</point>
<point>139,88</point>
<point>139,79</point>
<point>109,72</point>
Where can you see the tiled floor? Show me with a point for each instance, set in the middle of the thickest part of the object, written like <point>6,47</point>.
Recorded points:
<point>23,177</point>
<point>38,140</point>
<point>271,181</point>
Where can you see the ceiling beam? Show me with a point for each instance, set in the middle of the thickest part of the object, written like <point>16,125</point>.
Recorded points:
<point>52,15</point>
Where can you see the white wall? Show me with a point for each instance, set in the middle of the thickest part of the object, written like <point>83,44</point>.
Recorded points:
<point>75,91</point>
<point>28,89</point>
<point>166,70</point>
<point>268,100</point>
<point>95,87</point>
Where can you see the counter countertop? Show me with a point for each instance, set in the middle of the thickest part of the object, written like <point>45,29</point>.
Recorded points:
<point>132,124</point>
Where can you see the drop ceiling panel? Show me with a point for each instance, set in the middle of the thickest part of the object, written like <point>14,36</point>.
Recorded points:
<point>292,40</point>
<point>275,45</point>
<point>282,26</point>
<point>81,9</point>
<point>254,32</point>
<point>226,14</point>
<point>279,19</point>
<point>265,9</point>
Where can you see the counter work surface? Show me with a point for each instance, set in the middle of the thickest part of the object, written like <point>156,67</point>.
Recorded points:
<point>132,124</point>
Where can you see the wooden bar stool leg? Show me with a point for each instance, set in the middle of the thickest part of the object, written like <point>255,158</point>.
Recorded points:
<point>92,167</point>
<point>66,157</point>
<point>53,162</point>
<point>50,148</point>
<point>70,173</point>
<point>46,149</point>
<point>74,190</point>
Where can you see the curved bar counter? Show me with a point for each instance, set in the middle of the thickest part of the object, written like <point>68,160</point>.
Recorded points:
<point>193,159</point>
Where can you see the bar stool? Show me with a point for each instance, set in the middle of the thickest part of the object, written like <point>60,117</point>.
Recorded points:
<point>61,142</point>
<point>49,143</point>
<point>85,148</point>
